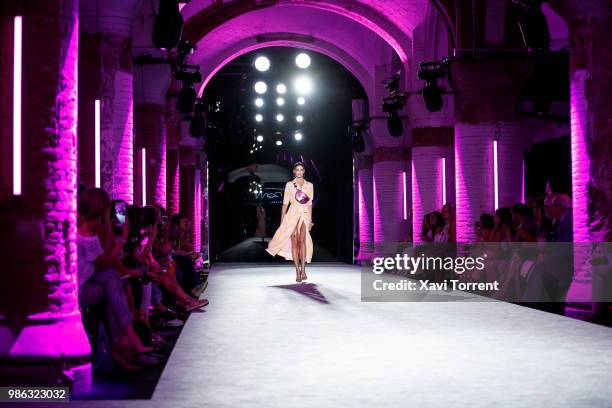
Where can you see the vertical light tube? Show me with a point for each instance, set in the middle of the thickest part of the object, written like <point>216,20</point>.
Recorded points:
<point>97,140</point>
<point>17,53</point>
<point>144,176</point>
<point>495,175</point>
<point>404,194</point>
<point>523,184</point>
<point>443,181</point>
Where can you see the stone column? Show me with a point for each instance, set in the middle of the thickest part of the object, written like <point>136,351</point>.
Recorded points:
<point>151,86</point>
<point>432,153</point>
<point>590,33</point>
<point>487,106</point>
<point>390,164</point>
<point>363,167</point>
<point>105,73</point>
<point>42,341</point>
<point>188,189</point>
<point>173,136</point>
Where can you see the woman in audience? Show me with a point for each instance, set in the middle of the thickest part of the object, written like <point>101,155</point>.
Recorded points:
<point>98,279</point>
<point>142,253</point>
<point>426,232</point>
<point>504,229</point>
<point>439,230</point>
<point>448,213</point>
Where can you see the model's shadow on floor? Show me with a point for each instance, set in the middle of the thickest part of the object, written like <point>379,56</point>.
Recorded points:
<point>306,289</point>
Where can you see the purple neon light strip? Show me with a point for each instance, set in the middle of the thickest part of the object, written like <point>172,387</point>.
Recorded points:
<point>97,140</point>
<point>495,175</point>
<point>17,54</point>
<point>404,195</point>
<point>144,176</point>
<point>443,181</point>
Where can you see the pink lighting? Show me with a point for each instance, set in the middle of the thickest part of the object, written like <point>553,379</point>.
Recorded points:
<point>17,48</point>
<point>144,176</point>
<point>443,181</point>
<point>495,175</point>
<point>97,141</point>
<point>404,194</point>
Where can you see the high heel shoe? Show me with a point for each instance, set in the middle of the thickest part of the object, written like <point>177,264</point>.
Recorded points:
<point>303,276</point>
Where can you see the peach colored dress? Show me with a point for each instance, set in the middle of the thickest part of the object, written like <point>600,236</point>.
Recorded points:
<point>281,241</point>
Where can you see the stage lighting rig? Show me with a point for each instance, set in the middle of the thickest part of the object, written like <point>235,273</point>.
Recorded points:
<point>533,25</point>
<point>356,130</point>
<point>168,25</point>
<point>198,121</point>
<point>187,95</point>
<point>392,104</point>
<point>430,72</point>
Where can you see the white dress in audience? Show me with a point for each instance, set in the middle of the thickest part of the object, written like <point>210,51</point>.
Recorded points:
<point>442,236</point>
<point>88,249</point>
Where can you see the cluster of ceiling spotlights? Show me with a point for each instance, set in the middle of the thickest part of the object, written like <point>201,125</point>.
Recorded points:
<point>302,86</point>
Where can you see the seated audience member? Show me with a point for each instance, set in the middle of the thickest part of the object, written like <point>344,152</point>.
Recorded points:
<point>504,229</point>
<point>161,275</point>
<point>439,229</point>
<point>542,220</point>
<point>448,213</point>
<point>426,232</point>
<point>485,228</point>
<point>99,281</point>
<point>551,277</point>
<point>187,275</point>
<point>524,224</point>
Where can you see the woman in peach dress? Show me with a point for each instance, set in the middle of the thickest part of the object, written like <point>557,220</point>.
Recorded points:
<point>292,239</point>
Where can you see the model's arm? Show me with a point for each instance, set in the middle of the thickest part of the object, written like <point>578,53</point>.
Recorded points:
<point>310,205</point>
<point>285,201</point>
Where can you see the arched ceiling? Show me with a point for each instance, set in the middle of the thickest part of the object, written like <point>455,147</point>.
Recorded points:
<point>350,43</point>
<point>392,20</point>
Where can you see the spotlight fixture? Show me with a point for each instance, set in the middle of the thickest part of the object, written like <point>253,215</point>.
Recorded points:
<point>301,100</point>
<point>393,103</point>
<point>356,129</point>
<point>168,25</point>
<point>280,101</point>
<point>302,60</point>
<point>260,138</point>
<point>533,26</point>
<point>299,118</point>
<point>187,95</point>
<point>303,85</point>
<point>281,88</point>
<point>198,123</point>
<point>258,117</point>
<point>432,93</point>
<point>262,64</point>
<point>279,142</point>
<point>259,102</point>
<point>184,49</point>
<point>261,87</point>
<point>298,136</point>
<point>280,117</point>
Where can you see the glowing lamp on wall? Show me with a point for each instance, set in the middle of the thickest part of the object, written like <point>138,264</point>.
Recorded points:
<point>17,48</point>
<point>495,175</point>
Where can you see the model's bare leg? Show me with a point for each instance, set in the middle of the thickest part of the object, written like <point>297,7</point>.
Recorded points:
<point>295,254</point>
<point>303,252</point>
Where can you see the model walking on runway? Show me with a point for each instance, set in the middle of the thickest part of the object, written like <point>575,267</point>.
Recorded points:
<point>292,239</point>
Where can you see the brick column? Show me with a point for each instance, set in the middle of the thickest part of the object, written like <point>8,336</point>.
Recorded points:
<point>389,165</point>
<point>487,102</point>
<point>173,135</point>
<point>430,145</point>
<point>42,341</point>
<point>188,189</point>
<point>105,73</point>
<point>150,130</point>
<point>591,146</point>
<point>365,202</point>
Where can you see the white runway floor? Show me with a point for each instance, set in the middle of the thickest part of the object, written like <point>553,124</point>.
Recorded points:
<point>266,341</point>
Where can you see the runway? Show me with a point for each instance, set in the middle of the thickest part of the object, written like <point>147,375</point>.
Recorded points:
<point>266,341</point>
